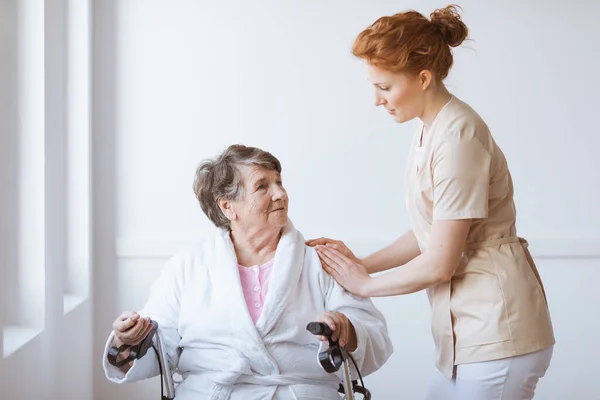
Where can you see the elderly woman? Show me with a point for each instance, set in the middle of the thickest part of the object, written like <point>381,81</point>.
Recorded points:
<point>233,311</point>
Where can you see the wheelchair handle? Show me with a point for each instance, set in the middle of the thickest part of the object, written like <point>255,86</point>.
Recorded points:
<point>319,328</point>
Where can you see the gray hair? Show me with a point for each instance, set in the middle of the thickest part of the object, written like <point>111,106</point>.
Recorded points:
<point>220,178</point>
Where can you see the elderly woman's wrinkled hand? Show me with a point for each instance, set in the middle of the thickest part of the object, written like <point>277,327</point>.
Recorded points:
<point>130,328</point>
<point>334,244</point>
<point>350,274</point>
<point>342,330</point>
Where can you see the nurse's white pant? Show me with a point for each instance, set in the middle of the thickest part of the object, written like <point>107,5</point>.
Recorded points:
<point>513,378</point>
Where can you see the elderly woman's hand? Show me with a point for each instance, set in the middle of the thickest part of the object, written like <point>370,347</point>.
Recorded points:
<point>334,244</point>
<point>341,327</point>
<point>350,274</point>
<point>130,328</point>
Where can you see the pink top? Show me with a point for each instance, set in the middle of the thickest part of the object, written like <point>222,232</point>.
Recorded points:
<point>255,283</point>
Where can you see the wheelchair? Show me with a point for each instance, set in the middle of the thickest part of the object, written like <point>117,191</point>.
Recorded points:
<point>331,357</point>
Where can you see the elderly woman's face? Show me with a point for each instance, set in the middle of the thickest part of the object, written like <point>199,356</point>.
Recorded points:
<point>264,201</point>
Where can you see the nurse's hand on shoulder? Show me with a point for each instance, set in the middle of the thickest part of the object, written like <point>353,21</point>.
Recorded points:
<point>350,274</point>
<point>334,244</point>
<point>130,328</point>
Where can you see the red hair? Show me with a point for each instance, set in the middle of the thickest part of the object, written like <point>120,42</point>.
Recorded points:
<point>409,41</point>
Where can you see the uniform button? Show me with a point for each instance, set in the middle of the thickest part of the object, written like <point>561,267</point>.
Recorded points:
<point>256,288</point>
<point>257,304</point>
<point>255,269</point>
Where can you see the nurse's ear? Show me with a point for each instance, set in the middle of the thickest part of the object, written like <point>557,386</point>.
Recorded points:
<point>425,78</point>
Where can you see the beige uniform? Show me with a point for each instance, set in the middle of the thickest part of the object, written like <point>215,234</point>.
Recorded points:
<point>494,306</point>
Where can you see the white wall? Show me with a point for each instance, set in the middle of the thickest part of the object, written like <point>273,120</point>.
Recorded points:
<point>179,81</point>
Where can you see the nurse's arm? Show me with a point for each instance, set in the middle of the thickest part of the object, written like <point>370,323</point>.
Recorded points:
<point>435,265</point>
<point>404,249</point>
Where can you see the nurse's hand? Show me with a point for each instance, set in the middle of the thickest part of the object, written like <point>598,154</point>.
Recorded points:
<point>350,274</point>
<point>334,244</point>
<point>130,328</point>
<point>342,329</point>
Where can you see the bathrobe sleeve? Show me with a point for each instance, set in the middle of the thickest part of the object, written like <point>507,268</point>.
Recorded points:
<point>374,345</point>
<point>162,306</point>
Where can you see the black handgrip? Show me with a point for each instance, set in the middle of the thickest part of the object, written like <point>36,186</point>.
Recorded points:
<point>141,349</point>
<point>319,328</point>
<point>137,351</point>
<point>331,359</point>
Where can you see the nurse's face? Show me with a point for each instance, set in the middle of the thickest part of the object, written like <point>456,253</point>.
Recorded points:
<point>400,93</point>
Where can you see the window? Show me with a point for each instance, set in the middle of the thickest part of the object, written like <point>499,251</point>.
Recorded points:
<point>46,151</point>
<point>76,284</point>
<point>25,296</point>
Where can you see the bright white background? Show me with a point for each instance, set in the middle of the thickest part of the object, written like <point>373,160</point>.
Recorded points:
<point>192,77</point>
<point>174,82</point>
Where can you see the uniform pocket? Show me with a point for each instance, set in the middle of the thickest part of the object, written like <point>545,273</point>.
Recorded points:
<point>478,312</point>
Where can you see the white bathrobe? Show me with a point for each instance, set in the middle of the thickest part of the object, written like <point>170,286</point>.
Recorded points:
<point>199,305</point>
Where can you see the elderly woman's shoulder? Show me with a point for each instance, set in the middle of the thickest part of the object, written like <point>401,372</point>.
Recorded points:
<point>313,262</point>
<point>311,251</point>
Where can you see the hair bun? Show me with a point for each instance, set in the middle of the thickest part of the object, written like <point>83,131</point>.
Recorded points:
<point>448,22</point>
